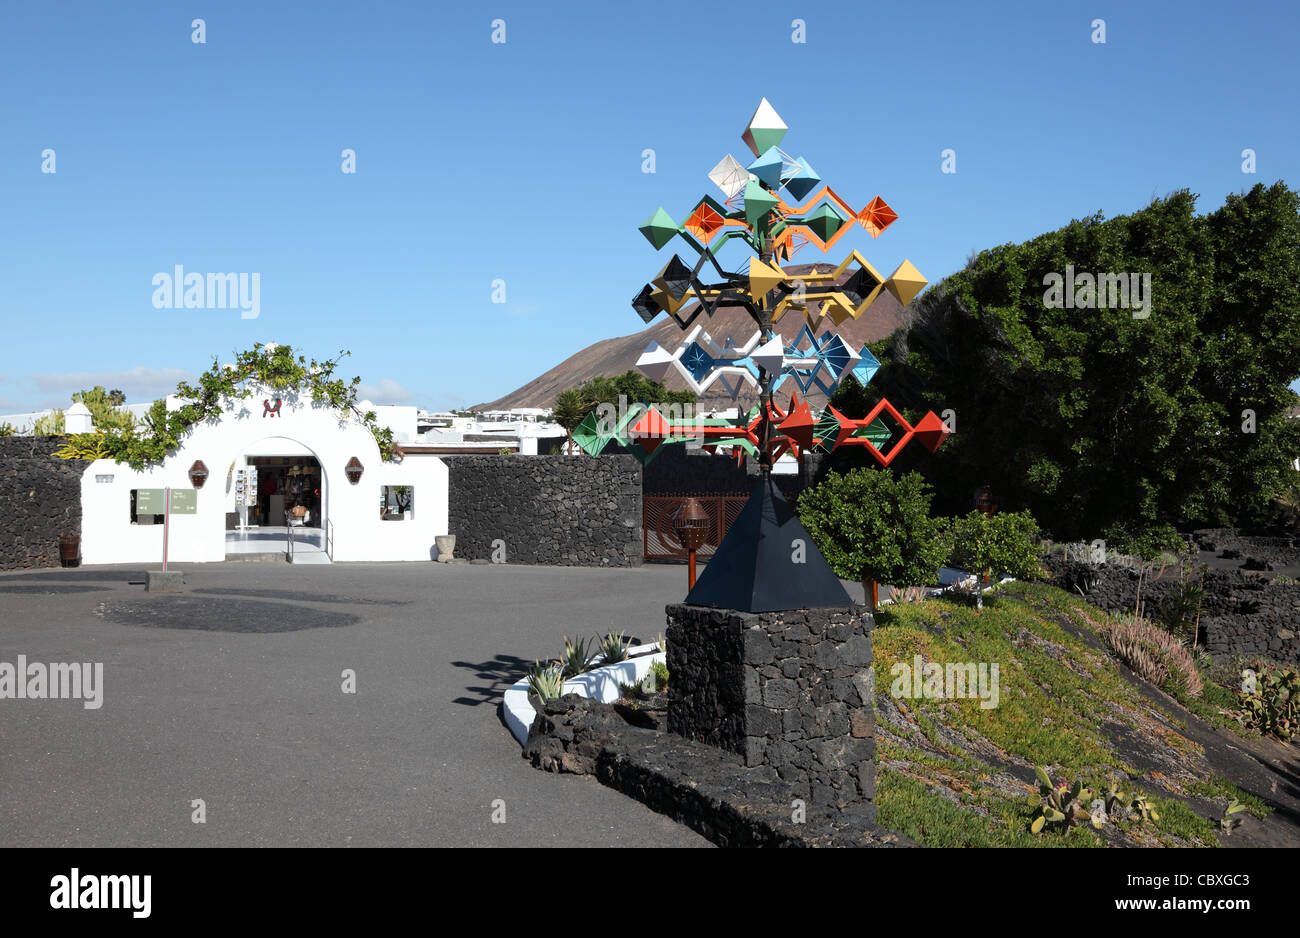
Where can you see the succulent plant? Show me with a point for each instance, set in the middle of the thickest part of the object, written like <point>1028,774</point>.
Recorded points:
<point>546,680</point>
<point>577,657</point>
<point>1270,699</point>
<point>1065,806</point>
<point>1061,806</point>
<point>1156,655</point>
<point>1230,818</point>
<point>613,648</point>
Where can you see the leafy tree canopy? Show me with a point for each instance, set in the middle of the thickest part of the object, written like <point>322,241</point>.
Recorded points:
<point>871,525</point>
<point>1093,417</point>
<point>572,405</point>
<point>104,407</point>
<point>273,367</point>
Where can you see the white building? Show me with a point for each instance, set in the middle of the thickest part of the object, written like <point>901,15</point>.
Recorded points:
<point>278,464</point>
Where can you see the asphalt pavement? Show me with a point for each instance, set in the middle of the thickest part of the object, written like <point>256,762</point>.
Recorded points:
<point>233,694</point>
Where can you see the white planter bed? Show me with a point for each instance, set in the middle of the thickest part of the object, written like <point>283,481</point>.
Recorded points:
<point>599,683</point>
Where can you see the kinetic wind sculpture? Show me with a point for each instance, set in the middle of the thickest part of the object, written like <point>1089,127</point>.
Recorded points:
<point>755,212</point>
<point>751,570</point>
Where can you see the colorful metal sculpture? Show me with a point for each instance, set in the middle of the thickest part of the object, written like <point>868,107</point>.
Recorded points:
<point>756,213</point>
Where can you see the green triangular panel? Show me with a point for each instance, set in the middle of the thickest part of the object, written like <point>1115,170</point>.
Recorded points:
<point>659,228</point>
<point>758,202</point>
<point>827,430</point>
<point>766,137</point>
<point>825,221</point>
<point>878,432</point>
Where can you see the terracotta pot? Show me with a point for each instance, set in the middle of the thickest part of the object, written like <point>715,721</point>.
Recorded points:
<point>70,549</point>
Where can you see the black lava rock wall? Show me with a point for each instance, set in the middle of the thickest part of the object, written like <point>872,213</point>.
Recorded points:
<point>1242,613</point>
<point>790,690</point>
<point>40,499</point>
<point>557,510</point>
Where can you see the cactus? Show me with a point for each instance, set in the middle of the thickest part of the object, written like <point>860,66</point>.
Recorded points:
<point>1270,699</point>
<point>1063,807</point>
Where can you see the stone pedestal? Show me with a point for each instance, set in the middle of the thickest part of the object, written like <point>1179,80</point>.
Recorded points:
<point>791,690</point>
<point>173,581</point>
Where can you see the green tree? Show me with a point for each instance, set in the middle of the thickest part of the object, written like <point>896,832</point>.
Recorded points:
<point>574,404</point>
<point>1002,543</point>
<point>104,407</point>
<point>873,527</point>
<point>1172,414</point>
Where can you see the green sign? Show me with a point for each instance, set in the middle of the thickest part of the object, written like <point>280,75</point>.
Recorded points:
<point>154,501</point>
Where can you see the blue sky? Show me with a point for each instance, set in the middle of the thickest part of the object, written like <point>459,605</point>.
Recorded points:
<point>522,161</point>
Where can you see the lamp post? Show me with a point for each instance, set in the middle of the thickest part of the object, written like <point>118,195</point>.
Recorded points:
<point>692,523</point>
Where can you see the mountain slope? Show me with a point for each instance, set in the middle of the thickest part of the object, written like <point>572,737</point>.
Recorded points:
<point>615,356</point>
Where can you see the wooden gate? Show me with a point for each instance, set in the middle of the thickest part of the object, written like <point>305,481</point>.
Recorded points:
<point>661,542</point>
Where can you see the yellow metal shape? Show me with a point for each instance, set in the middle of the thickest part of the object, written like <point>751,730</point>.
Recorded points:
<point>763,277</point>
<point>905,282</point>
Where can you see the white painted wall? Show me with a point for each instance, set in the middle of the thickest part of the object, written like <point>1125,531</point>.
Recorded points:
<point>302,428</point>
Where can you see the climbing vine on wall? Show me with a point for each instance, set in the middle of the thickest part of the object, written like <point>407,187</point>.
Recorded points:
<point>263,367</point>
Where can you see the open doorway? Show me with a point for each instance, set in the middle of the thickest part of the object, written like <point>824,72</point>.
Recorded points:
<point>288,490</point>
<point>279,509</point>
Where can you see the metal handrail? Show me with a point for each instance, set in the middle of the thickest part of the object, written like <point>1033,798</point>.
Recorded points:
<point>329,538</point>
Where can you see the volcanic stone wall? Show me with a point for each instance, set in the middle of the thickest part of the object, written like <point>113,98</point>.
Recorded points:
<point>1242,613</point>
<point>679,471</point>
<point>40,499</point>
<point>559,510</point>
<point>789,690</point>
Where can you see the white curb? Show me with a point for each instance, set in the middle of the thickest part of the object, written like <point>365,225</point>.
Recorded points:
<point>599,683</point>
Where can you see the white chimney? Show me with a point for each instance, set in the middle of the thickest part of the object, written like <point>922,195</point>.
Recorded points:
<point>77,419</point>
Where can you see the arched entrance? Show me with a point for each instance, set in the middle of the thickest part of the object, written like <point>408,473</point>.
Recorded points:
<point>277,503</point>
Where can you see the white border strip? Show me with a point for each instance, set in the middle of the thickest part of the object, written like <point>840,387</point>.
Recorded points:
<point>599,683</point>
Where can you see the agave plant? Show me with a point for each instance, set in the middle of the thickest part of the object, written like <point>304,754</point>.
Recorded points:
<point>546,680</point>
<point>613,648</point>
<point>577,657</point>
<point>908,594</point>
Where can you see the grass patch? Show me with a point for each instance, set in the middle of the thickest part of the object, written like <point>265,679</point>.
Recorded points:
<point>1219,787</point>
<point>1055,693</point>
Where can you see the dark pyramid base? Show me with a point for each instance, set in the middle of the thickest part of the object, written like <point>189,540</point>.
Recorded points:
<point>757,566</point>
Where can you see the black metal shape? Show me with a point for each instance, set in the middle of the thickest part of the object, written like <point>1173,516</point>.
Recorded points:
<point>768,562</point>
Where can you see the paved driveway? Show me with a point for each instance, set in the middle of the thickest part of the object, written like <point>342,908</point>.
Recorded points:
<point>231,693</point>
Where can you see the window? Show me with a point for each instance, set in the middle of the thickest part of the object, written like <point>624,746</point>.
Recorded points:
<point>397,502</point>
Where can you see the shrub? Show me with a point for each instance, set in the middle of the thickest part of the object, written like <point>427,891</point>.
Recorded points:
<point>1145,542</point>
<point>1156,655</point>
<point>660,671</point>
<point>1001,543</point>
<point>7,429</point>
<point>871,526</point>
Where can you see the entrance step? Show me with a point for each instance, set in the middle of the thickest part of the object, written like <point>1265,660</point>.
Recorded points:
<point>309,556</point>
<point>277,556</point>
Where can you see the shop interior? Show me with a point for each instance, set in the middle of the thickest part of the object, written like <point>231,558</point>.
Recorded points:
<point>286,483</point>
